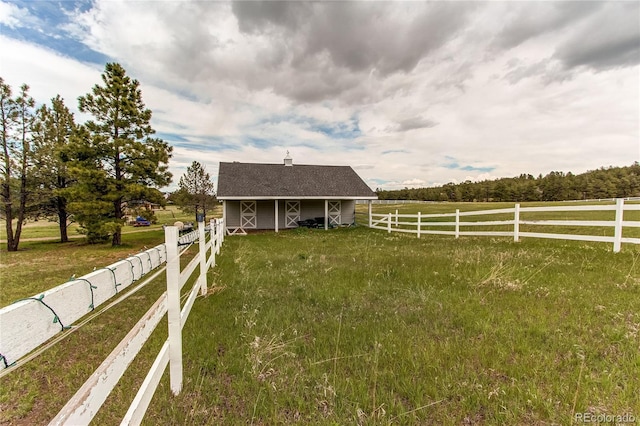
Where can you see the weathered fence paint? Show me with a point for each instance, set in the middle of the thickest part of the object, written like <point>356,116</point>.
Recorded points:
<point>28,323</point>
<point>384,222</point>
<point>142,399</point>
<point>83,406</point>
<point>86,402</point>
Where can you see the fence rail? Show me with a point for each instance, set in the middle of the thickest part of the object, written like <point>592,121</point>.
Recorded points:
<point>593,200</point>
<point>28,323</point>
<point>419,223</point>
<point>84,405</point>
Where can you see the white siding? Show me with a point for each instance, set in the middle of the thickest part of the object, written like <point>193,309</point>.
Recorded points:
<point>233,214</point>
<point>266,214</point>
<point>348,212</point>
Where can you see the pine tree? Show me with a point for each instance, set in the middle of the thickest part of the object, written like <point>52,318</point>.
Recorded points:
<point>16,115</point>
<point>196,190</point>
<point>53,131</point>
<point>115,159</point>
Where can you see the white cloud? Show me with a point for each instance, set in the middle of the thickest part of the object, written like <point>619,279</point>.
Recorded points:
<point>441,81</point>
<point>412,183</point>
<point>14,16</point>
<point>46,72</point>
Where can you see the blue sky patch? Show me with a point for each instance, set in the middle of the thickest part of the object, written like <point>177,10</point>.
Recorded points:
<point>477,169</point>
<point>258,142</point>
<point>173,137</point>
<point>203,143</point>
<point>379,181</point>
<point>349,129</point>
<point>453,164</point>
<point>338,130</point>
<point>395,151</point>
<point>46,27</point>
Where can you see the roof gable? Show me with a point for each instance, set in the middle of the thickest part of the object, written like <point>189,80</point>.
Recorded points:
<point>243,180</point>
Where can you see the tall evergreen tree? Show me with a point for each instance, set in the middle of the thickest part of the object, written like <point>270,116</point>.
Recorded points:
<point>53,131</point>
<point>7,116</point>
<point>115,158</point>
<point>196,190</point>
<point>16,115</point>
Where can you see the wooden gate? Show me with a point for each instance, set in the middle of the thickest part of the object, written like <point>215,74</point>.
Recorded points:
<point>292,214</point>
<point>335,213</point>
<point>248,214</point>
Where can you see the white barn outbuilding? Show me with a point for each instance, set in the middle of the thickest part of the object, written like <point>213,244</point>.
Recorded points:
<point>279,196</point>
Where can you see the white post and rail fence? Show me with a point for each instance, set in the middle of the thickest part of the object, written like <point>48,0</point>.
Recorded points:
<point>29,323</point>
<point>422,224</point>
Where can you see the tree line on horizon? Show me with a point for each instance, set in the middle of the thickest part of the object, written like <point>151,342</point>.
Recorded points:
<point>609,182</point>
<point>91,173</point>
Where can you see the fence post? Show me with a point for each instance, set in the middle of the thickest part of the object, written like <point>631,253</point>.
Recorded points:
<point>203,256</point>
<point>617,233</point>
<point>220,234</point>
<point>173,309</point>
<point>214,241</point>
<point>389,224</point>
<point>457,223</point>
<point>396,218</point>
<point>370,219</point>
<point>516,223</point>
<point>419,222</point>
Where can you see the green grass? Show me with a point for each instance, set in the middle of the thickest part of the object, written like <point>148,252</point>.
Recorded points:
<point>40,229</point>
<point>358,326</point>
<point>35,392</point>
<point>44,229</point>
<point>37,265</point>
<point>41,265</point>
<point>440,208</point>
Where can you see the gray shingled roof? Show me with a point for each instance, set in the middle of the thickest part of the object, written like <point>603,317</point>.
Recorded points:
<point>277,180</point>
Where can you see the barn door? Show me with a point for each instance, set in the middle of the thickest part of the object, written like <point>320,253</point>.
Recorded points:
<point>335,213</point>
<point>292,214</point>
<point>248,214</point>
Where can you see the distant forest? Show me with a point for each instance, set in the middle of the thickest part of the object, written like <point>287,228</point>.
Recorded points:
<point>611,182</point>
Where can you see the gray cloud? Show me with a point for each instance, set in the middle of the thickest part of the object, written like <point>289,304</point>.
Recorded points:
<point>349,52</point>
<point>387,37</point>
<point>609,40</point>
<point>357,81</point>
<point>415,123</point>
<point>531,20</point>
<point>408,124</point>
<point>260,16</point>
<point>595,35</point>
<point>328,50</point>
<point>548,70</point>
<point>360,53</point>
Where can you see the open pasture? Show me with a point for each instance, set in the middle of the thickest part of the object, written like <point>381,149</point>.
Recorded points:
<point>529,217</point>
<point>39,265</point>
<point>44,229</point>
<point>360,326</point>
<point>355,326</point>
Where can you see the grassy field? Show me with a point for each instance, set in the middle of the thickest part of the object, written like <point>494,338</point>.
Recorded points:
<point>41,265</point>
<point>356,326</point>
<point>36,267</point>
<point>44,229</point>
<point>440,208</point>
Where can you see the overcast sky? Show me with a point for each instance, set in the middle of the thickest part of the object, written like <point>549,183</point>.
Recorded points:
<point>408,94</point>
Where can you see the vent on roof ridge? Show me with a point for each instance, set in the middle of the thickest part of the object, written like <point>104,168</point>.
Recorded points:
<point>288,161</point>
